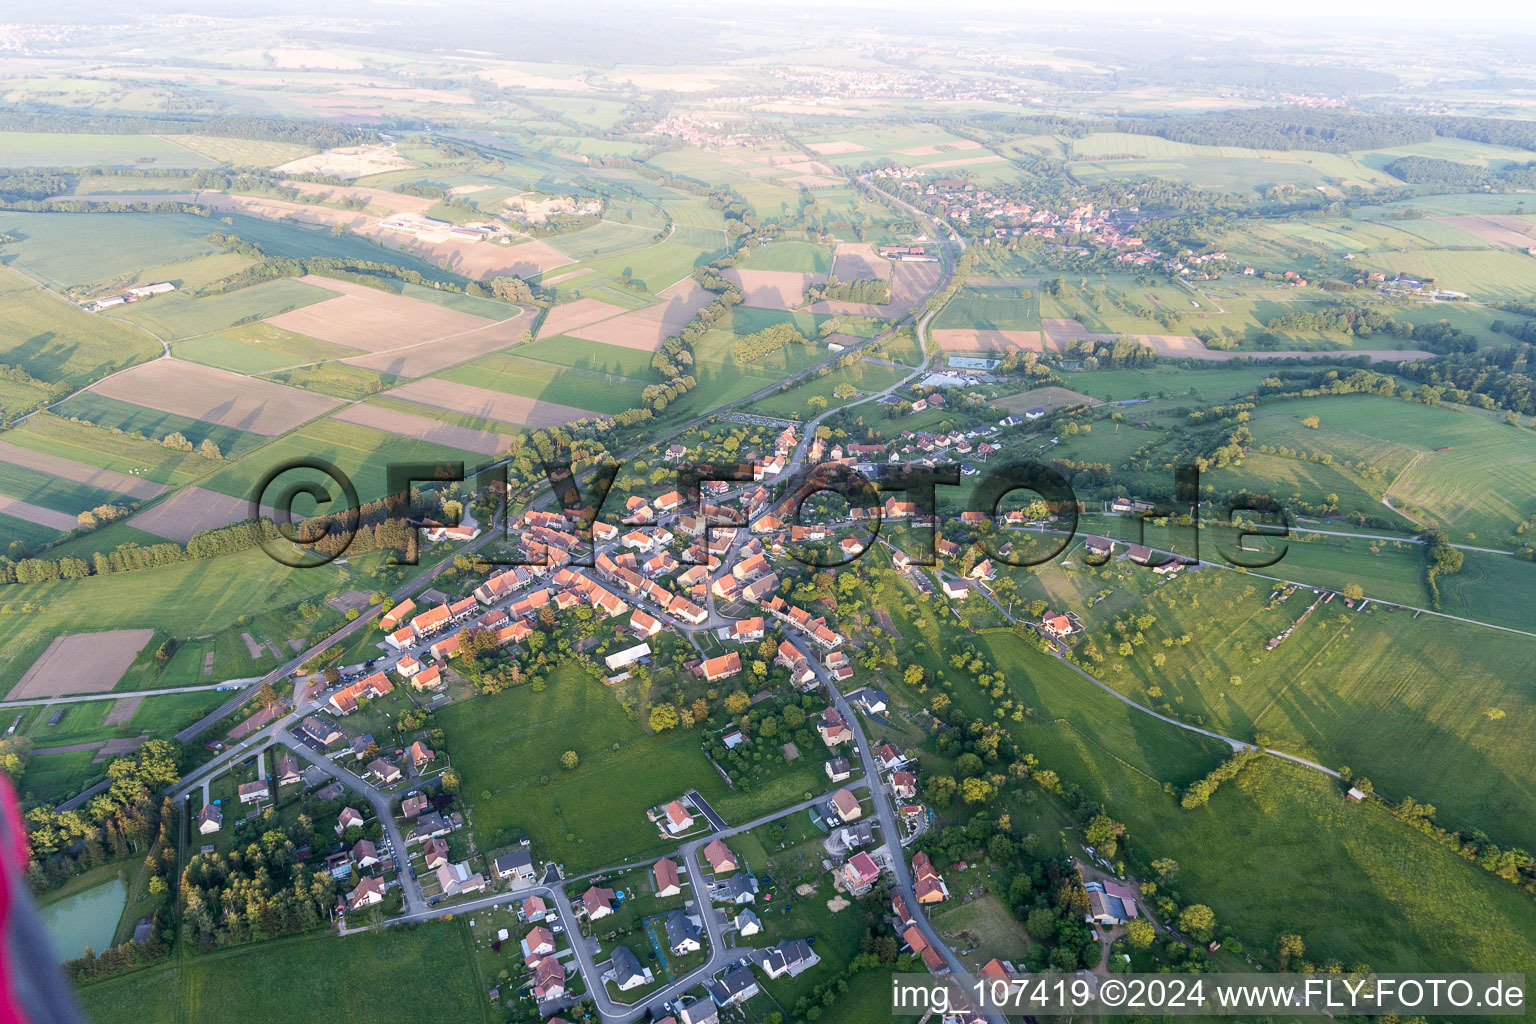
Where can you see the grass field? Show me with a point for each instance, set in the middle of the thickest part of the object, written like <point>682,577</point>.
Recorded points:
<point>1212,385</point>
<point>1479,489</point>
<point>237,985</point>
<point>654,267</point>
<point>342,380</point>
<point>181,315</point>
<point>94,446</point>
<point>68,249</point>
<point>57,777</point>
<point>594,356</point>
<point>1281,838</point>
<point>1492,588</point>
<point>1224,168</point>
<point>866,377</point>
<point>257,348</point>
<point>1481,273</point>
<point>1281,850</point>
<point>154,424</point>
<point>796,257</point>
<point>47,149</point>
<point>31,535</point>
<point>508,372</point>
<point>51,491</point>
<point>58,342</point>
<point>54,777</point>
<point>188,599</point>
<point>579,818</point>
<point>362,453</point>
<point>286,239</point>
<point>991,307</point>
<point>242,152</point>
<point>17,398</point>
<point>601,239</point>
<point>985,925</point>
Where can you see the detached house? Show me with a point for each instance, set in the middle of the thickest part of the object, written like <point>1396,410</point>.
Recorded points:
<point>683,933</point>
<point>538,944</point>
<point>720,857</point>
<point>369,892</point>
<point>597,902</point>
<point>667,881</point>
<point>677,818</point>
<point>833,728</point>
<point>548,980</point>
<point>723,667</point>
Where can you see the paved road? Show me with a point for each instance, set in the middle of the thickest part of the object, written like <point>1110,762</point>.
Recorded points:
<point>890,832</point>
<point>121,694</point>
<point>414,903</point>
<point>716,822</point>
<point>79,800</point>
<point>713,920</point>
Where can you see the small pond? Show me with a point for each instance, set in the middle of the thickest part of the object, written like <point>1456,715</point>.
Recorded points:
<point>87,918</point>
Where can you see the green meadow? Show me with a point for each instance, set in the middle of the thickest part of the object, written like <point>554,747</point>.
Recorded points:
<point>110,413</point>
<point>97,446</point>
<point>508,747</point>
<point>1399,698</point>
<point>56,341</point>
<point>187,599</point>
<point>70,249</point>
<point>182,315</point>
<point>257,348</point>
<point>236,985</point>
<point>48,149</point>
<point>509,372</point>
<point>1477,488</point>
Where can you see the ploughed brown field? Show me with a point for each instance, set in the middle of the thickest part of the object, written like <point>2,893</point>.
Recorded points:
<point>858,261</point>
<point>217,396</point>
<point>965,339</point>
<point>485,259</point>
<point>82,663</point>
<point>771,289</point>
<point>835,148</point>
<point>647,328</point>
<point>395,202</point>
<point>422,428</point>
<point>489,405</point>
<point>190,511</point>
<point>372,320</point>
<point>576,314</point>
<point>910,284</point>
<point>25,510</point>
<point>1502,230</point>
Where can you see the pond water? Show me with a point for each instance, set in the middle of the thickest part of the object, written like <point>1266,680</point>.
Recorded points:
<point>87,918</point>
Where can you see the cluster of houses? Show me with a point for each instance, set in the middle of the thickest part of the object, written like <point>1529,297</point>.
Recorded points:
<point>969,204</point>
